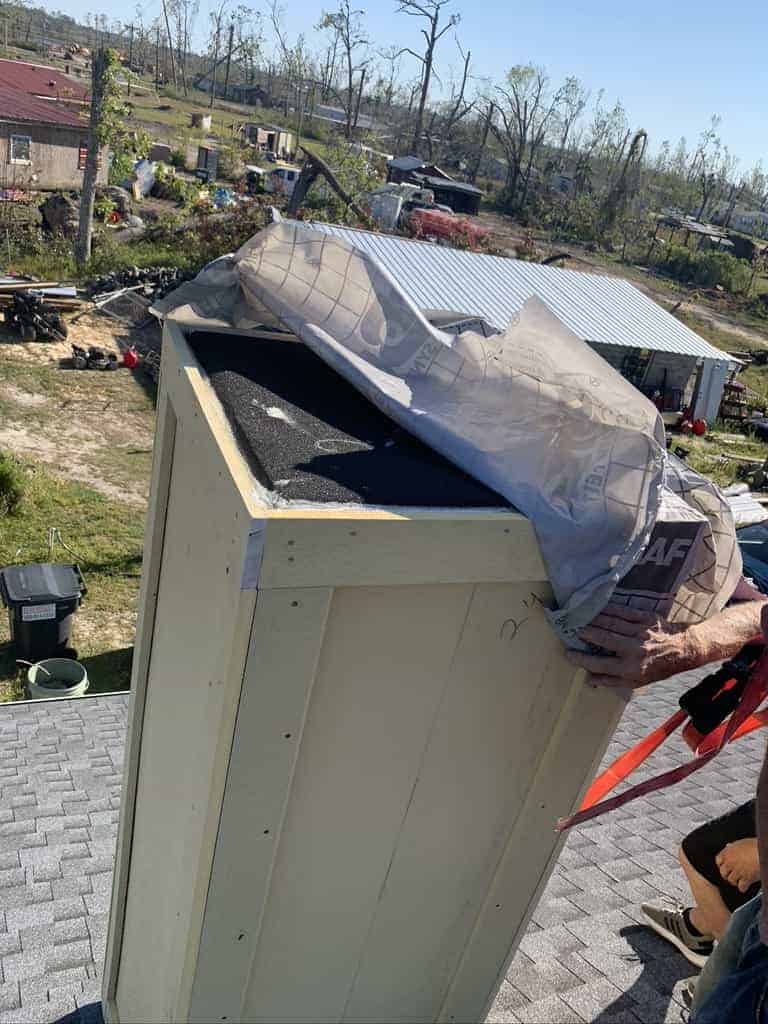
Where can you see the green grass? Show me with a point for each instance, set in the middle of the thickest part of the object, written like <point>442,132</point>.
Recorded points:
<point>107,538</point>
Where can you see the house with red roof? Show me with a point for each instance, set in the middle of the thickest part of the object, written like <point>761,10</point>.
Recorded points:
<point>43,129</point>
<point>44,83</point>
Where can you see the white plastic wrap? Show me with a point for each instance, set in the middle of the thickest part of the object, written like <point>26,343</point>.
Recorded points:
<point>533,412</point>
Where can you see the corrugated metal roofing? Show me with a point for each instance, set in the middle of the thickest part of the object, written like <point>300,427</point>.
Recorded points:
<point>600,309</point>
<point>16,105</point>
<point>39,80</point>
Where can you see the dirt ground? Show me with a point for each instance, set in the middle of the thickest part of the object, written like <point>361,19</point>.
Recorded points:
<point>92,426</point>
<point>83,427</point>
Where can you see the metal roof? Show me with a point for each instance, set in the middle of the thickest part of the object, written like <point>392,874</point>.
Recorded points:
<point>17,106</point>
<point>39,80</point>
<point>448,184</point>
<point>600,309</point>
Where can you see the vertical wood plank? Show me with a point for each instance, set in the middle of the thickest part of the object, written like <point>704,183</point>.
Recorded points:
<point>382,671</point>
<point>285,643</point>
<point>507,686</point>
<point>154,537</point>
<point>585,725</point>
<point>201,628</point>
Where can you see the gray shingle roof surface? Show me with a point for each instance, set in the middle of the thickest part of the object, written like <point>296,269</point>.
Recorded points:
<point>60,773</point>
<point>586,956</point>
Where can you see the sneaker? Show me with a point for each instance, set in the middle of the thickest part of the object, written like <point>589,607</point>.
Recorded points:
<point>689,991</point>
<point>670,925</point>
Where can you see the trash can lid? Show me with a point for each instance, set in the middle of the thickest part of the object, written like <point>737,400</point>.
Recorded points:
<point>40,583</point>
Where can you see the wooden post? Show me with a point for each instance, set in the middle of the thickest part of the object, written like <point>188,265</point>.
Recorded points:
<point>88,194</point>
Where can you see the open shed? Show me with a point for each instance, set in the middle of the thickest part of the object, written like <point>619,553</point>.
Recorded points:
<point>662,357</point>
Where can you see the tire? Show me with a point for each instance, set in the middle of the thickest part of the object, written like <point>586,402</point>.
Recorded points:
<point>80,362</point>
<point>28,332</point>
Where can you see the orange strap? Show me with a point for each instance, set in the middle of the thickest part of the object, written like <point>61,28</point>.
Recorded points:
<point>743,720</point>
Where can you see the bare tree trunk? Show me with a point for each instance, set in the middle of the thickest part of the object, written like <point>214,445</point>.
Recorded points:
<point>90,173</point>
<point>215,65</point>
<point>229,58</point>
<point>170,43</point>
<point>483,142</point>
<point>363,73</point>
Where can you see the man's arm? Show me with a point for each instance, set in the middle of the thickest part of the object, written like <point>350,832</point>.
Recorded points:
<point>644,648</point>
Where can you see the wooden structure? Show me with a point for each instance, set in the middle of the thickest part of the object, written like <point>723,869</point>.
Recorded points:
<point>351,729</point>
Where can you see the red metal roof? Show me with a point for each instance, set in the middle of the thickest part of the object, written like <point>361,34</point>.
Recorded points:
<point>38,80</point>
<point>16,105</point>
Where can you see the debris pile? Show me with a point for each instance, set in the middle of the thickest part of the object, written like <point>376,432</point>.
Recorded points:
<point>93,358</point>
<point>33,308</point>
<point>154,282</point>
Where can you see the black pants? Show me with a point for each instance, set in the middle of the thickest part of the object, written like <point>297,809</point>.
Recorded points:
<point>703,844</point>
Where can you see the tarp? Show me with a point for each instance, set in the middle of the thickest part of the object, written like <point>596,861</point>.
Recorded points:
<point>532,412</point>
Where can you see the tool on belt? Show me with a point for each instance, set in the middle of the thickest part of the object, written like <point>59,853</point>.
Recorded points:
<point>719,709</point>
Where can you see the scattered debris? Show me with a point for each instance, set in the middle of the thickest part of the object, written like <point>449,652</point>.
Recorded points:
<point>33,318</point>
<point>93,359</point>
<point>155,281</point>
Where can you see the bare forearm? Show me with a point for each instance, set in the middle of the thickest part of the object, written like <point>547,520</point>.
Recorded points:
<point>724,634</point>
<point>641,648</point>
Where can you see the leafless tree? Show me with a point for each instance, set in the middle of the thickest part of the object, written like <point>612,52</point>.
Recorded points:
<point>527,109</point>
<point>346,26</point>
<point>387,82</point>
<point>458,105</point>
<point>431,12</point>
<point>573,102</point>
<point>182,14</point>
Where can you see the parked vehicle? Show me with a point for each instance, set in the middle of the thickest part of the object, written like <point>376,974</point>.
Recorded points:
<point>282,180</point>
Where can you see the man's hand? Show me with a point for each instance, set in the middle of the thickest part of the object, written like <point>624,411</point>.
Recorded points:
<point>643,648</point>
<point>739,864</point>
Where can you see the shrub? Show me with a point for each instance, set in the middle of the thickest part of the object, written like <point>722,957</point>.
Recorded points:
<point>178,159</point>
<point>705,269</point>
<point>11,486</point>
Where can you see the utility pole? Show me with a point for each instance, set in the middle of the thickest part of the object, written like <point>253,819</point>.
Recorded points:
<point>157,57</point>
<point>229,57</point>
<point>130,61</point>
<point>170,43</point>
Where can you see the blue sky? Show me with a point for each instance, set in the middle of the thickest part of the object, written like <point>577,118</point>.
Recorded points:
<point>673,64</point>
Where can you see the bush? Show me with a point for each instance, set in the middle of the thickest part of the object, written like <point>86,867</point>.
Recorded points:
<point>704,269</point>
<point>11,486</point>
<point>178,159</point>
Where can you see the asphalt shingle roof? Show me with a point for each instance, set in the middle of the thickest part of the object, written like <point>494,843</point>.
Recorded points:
<point>586,956</point>
<point>60,774</point>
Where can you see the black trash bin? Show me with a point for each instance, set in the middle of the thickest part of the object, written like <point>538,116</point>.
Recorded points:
<point>41,600</point>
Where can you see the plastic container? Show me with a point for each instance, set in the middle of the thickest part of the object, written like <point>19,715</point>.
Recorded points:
<point>56,677</point>
<point>41,599</point>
